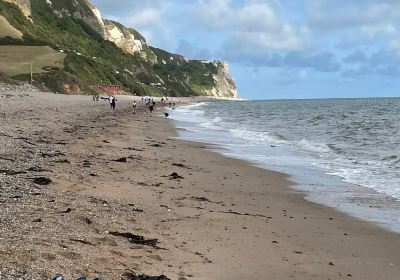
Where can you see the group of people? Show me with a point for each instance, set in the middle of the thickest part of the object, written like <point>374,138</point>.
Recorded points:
<point>150,103</point>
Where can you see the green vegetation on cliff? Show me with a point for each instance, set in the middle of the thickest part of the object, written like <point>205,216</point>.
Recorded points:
<point>90,59</point>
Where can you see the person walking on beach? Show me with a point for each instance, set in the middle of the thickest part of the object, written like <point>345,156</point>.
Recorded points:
<point>134,106</point>
<point>112,102</point>
<point>151,108</point>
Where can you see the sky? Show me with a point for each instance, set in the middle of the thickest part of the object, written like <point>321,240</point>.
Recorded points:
<point>279,49</point>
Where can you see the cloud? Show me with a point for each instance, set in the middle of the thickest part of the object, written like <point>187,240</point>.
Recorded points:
<point>353,38</point>
<point>125,8</point>
<point>344,14</point>
<point>213,14</point>
<point>355,57</point>
<point>356,23</point>
<point>379,63</point>
<point>321,62</point>
<point>264,38</point>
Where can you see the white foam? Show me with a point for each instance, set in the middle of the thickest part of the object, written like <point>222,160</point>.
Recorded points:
<point>313,146</point>
<point>256,137</point>
<point>216,120</point>
<point>369,179</point>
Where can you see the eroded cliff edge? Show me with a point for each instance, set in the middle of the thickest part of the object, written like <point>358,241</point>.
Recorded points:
<point>143,70</point>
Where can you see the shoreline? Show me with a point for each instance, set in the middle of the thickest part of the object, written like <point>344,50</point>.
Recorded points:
<point>224,219</point>
<point>321,184</point>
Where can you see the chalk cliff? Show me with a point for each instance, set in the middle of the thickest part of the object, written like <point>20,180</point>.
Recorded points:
<point>23,5</point>
<point>69,25</point>
<point>225,86</point>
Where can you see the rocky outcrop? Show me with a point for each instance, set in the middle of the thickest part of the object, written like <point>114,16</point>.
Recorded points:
<point>94,19</point>
<point>112,31</point>
<point>157,71</point>
<point>23,5</point>
<point>225,86</point>
<point>122,37</point>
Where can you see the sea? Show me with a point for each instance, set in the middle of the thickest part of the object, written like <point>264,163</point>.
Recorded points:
<point>343,153</point>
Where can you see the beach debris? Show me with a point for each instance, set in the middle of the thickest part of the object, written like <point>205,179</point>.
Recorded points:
<point>155,145</point>
<point>202,199</point>
<point>106,141</point>
<point>135,239</point>
<point>242,214</point>
<point>42,181</point>
<point>298,252</point>
<point>66,211</point>
<point>135,209</point>
<point>174,176</point>
<point>122,159</point>
<point>135,149</point>
<point>62,161</point>
<point>181,165</point>
<point>331,263</point>
<point>132,276</point>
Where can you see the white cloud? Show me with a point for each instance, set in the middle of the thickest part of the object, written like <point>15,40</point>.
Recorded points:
<point>260,29</point>
<point>213,14</point>
<point>145,17</point>
<point>345,14</point>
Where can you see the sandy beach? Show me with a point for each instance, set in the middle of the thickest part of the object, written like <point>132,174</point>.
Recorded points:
<point>85,191</point>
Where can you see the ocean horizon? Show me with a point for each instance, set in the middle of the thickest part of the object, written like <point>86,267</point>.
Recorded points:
<point>341,151</point>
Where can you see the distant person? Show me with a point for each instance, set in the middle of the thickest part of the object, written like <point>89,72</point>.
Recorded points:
<point>151,108</point>
<point>112,102</point>
<point>134,106</point>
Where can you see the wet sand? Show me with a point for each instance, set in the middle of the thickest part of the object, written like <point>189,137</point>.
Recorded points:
<point>116,173</point>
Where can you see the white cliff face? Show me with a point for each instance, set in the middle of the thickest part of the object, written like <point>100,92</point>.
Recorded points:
<point>225,86</point>
<point>94,20</point>
<point>119,35</point>
<point>23,5</point>
<point>110,31</point>
<point>122,37</point>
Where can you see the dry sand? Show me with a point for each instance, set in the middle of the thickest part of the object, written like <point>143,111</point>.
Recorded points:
<point>215,218</point>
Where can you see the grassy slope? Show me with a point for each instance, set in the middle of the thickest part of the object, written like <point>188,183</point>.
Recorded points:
<point>16,60</point>
<point>6,29</point>
<point>100,60</point>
